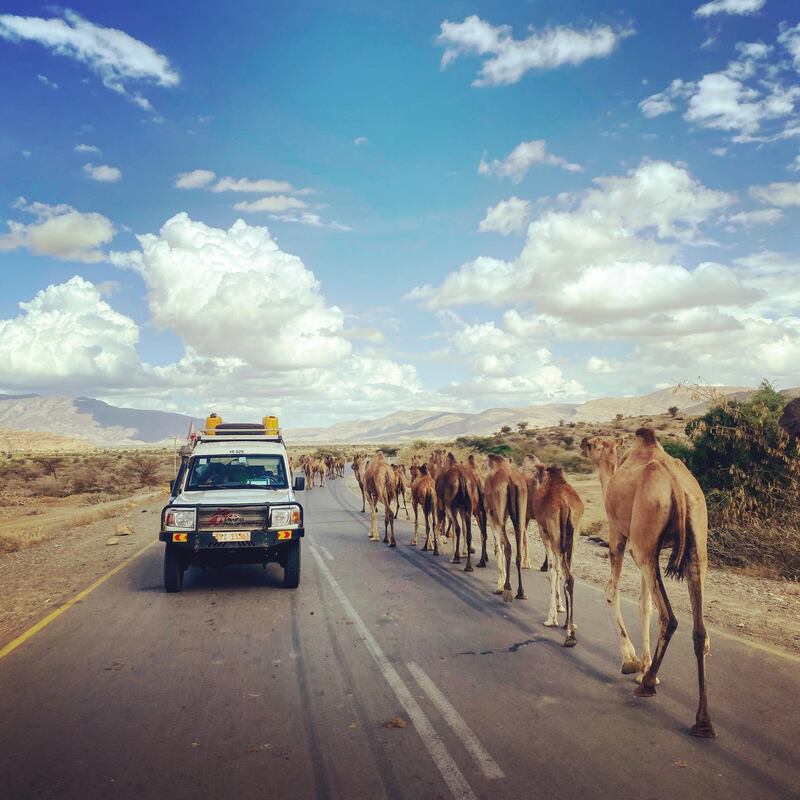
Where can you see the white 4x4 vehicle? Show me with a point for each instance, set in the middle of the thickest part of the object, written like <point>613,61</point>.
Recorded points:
<point>232,502</point>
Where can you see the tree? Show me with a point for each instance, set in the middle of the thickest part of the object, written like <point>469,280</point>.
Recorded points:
<point>739,450</point>
<point>673,411</point>
<point>50,464</point>
<point>522,425</point>
<point>505,430</point>
<point>145,468</point>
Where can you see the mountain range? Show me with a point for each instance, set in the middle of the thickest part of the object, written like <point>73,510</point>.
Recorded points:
<point>104,425</point>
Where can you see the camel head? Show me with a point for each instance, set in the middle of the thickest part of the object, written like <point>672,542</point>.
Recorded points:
<point>529,465</point>
<point>451,460</point>
<point>495,461</point>
<point>602,449</point>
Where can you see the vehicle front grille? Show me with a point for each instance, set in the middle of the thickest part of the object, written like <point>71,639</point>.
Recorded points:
<point>232,518</point>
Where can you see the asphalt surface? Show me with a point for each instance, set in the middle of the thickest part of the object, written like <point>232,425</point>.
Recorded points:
<point>238,688</point>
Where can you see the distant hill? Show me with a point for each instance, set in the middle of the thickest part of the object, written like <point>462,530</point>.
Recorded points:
<point>90,420</point>
<point>437,425</point>
<point>12,441</point>
<point>103,425</point>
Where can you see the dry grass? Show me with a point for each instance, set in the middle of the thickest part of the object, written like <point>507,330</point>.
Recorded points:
<point>44,493</point>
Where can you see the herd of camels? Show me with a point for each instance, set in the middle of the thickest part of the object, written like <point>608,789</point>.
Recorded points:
<point>652,501</point>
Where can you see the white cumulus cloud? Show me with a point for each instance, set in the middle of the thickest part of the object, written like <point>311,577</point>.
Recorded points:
<point>195,179</point>
<point>102,173</point>
<point>235,294</point>
<point>86,148</point>
<point>60,231</point>
<point>729,7</point>
<point>261,185</point>
<point>115,56</point>
<point>781,194</point>
<point>525,155</point>
<point>67,336</point>
<point>43,79</point>
<point>508,216</point>
<point>507,59</point>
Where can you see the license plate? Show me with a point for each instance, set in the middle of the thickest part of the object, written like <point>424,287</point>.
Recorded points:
<point>232,536</point>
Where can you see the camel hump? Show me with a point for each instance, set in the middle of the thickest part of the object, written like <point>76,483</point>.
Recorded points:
<point>451,459</point>
<point>647,436</point>
<point>424,469</point>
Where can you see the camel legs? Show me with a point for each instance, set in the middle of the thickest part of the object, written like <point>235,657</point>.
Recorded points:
<point>502,551</point>
<point>519,535</point>
<point>695,577</point>
<point>569,585</point>
<point>553,575</point>
<point>467,519</point>
<point>616,553</point>
<point>373,518</point>
<point>482,526</point>
<point>388,525</point>
<point>668,624</point>
<point>645,612</point>
<point>526,561</point>
<point>432,526</point>
<point>453,520</point>
<point>415,506</point>
<point>363,498</point>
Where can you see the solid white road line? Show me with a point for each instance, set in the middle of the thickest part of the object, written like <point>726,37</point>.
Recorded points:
<point>448,768</point>
<point>486,764</point>
<point>327,552</point>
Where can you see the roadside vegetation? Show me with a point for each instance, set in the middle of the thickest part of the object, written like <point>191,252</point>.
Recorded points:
<point>43,491</point>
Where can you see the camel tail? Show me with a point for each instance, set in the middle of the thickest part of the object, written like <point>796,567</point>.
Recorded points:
<point>514,509</point>
<point>681,528</point>
<point>428,503</point>
<point>567,533</point>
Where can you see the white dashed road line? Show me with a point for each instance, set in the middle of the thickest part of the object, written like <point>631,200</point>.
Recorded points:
<point>327,552</point>
<point>451,774</point>
<point>486,764</point>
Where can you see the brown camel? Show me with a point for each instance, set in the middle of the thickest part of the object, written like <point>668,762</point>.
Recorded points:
<point>533,469</point>
<point>790,418</point>
<point>558,509</point>
<point>458,498</point>
<point>379,486</point>
<point>423,496</point>
<point>400,488</point>
<point>652,500</point>
<point>506,496</point>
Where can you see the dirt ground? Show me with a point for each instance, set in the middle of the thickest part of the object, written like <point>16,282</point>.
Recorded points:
<point>39,578</point>
<point>761,609</point>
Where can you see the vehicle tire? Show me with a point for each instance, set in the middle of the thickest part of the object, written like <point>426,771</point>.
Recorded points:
<point>173,570</point>
<point>291,569</point>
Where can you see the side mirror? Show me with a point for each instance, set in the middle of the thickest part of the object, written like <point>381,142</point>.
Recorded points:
<point>300,483</point>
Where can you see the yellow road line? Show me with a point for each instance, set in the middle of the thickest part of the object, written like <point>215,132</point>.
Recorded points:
<point>43,623</point>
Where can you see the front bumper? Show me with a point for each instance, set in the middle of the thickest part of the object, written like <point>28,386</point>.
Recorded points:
<point>204,540</point>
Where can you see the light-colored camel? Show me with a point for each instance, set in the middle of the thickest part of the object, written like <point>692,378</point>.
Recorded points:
<point>653,500</point>
<point>423,496</point>
<point>506,497</point>
<point>558,510</point>
<point>379,487</point>
<point>359,465</point>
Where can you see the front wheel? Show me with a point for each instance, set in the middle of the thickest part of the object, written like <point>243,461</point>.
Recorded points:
<point>291,569</point>
<point>173,570</point>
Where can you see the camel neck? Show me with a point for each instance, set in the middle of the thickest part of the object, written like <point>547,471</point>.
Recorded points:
<point>606,470</point>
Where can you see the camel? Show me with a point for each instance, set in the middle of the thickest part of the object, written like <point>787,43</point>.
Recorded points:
<point>652,500</point>
<point>458,498</point>
<point>790,418</point>
<point>423,495</point>
<point>400,488</point>
<point>380,487</point>
<point>308,468</point>
<point>506,496</point>
<point>358,469</point>
<point>558,509</point>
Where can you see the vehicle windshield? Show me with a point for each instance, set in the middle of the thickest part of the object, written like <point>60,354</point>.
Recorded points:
<point>237,472</point>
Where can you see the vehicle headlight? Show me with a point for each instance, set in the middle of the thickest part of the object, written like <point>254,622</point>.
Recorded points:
<point>179,519</point>
<point>285,517</point>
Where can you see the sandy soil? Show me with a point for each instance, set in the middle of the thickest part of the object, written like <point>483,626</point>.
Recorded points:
<point>760,609</point>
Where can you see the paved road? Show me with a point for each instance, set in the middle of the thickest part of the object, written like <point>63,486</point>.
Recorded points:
<point>237,688</point>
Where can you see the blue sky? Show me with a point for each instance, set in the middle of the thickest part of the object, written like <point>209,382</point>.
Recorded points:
<point>469,204</point>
